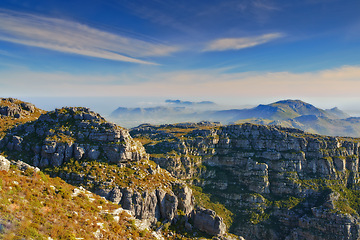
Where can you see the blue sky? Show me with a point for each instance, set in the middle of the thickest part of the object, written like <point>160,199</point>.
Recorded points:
<point>233,51</point>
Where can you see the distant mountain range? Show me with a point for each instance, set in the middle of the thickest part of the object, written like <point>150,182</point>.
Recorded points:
<point>189,103</point>
<point>287,113</point>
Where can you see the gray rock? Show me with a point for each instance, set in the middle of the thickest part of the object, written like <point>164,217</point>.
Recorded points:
<point>126,200</point>
<point>185,198</point>
<point>57,159</point>
<point>17,143</point>
<point>115,195</point>
<point>49,147</point>
<point>168,204</point>
<point>69,149</point>
<point>44,162</point>
<point>149,204</point>
<point>22,166</point>
<point>78,152</point>
<point>206,220</point>
<point>93,153</point>
<point>28,107</point>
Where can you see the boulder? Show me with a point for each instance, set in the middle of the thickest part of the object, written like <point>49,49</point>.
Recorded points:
<point>168,204</point>
<point>4,164</point>
<point>185,198</point>
<point>115,195</point>
<point>207,221</point>
<point>78,152</point>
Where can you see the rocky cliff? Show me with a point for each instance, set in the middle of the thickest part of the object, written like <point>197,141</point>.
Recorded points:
<point>84,149</point>
<point>280,183</point>
<point>14,112</point>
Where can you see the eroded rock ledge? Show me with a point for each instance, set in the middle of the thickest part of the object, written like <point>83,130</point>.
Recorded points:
<point>277,181</point>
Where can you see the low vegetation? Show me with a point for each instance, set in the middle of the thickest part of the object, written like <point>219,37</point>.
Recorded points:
<point>36,206</point>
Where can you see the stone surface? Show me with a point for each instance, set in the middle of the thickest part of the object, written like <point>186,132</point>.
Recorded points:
<point>206,220</point>
<point>4,164</point>
<point>185,198</point>
<point>253,167</point>
<point>74,133</point>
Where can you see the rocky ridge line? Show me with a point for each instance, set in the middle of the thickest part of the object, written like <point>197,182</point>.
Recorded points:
<point>77,145</point>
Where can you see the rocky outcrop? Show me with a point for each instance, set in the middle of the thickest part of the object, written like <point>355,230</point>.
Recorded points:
<point>11,107</point>
<point>275,180</point>
<point>4,164</point>
<point>72,143</point>
<point>75,133</point>
<point>22,166</point>
<point>206,220</point>
<point>185,197</point>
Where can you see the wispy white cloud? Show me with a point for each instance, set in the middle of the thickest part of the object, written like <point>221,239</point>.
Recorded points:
<point>225,44</point>
<point>265,5</point>
<point>76,38</point>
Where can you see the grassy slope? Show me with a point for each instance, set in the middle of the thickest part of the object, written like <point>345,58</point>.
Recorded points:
<point>8,122</point>
<point>33,205</point>
<point>36,206</point>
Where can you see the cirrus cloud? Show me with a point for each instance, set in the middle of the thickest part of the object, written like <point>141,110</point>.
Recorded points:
<point>76,38</point>
<point>225,44</point>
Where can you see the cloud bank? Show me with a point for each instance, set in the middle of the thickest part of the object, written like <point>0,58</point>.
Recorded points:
<point>225,44</point>
<point>76,38</point>
<point>338,82</point>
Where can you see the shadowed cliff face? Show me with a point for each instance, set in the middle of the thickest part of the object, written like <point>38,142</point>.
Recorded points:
<point>279,183</point>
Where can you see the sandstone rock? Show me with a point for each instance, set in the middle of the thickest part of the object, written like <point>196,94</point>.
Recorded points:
<point>115,195</point>
<point>44,162</point>
<point>4,164</point>
<point>28,107</point>
<point>185,198</point>
<point>126,200</point>
<point>69,149</point>
<point>206,220</point>
<point>24,166</point>
<point>167,204</point>
<point>17,143</point>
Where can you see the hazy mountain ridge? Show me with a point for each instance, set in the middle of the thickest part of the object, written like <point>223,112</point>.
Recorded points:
<point>287,113</point>
<point>180,102</point>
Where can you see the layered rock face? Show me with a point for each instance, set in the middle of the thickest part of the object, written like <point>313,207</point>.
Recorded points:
<point>280,183</point>
<point>82,148</point>
<point>76,133</point>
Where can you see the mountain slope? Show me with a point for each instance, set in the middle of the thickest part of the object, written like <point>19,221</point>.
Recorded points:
<point>36,206</point>
<point>85,150</point>
<point>297,114</point>
<point>14,112</point>
<point>281,110</point>
<point>287,113</point>
<point>278,183</point>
